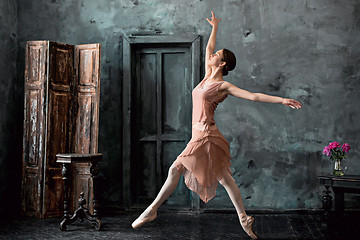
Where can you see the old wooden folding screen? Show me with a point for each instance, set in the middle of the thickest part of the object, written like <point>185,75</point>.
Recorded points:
<point>62,86</point>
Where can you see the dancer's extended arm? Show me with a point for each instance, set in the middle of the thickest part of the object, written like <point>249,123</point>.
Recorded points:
<point>210,47</point>
<point>258,97</point>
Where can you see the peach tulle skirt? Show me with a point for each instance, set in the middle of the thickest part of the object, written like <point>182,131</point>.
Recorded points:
<point>205,160</point>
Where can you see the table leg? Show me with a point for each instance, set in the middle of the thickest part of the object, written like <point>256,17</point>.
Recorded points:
<point>327,201</point>
<point>339,201</point>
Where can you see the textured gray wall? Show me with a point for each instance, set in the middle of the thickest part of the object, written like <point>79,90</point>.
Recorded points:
<point>306,49</point>
<point>10,111</point>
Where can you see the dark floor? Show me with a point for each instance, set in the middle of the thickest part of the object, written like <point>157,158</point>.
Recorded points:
<point>184,225</point>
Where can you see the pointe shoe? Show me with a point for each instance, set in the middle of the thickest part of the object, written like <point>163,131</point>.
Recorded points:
<point>141,220</point>
<point>246,223</point>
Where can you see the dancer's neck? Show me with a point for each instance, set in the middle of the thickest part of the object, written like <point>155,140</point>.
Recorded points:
<point>216,74</point>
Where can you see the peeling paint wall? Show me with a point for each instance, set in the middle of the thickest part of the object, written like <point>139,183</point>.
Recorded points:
<point>306,50</point>
<point>10,111</point>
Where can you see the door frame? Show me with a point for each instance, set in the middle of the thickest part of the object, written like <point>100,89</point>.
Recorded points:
<point>128,45</point>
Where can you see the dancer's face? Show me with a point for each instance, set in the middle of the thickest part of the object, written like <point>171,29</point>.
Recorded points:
<point>216,58</point>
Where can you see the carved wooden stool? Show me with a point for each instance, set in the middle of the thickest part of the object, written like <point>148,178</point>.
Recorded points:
<point>81,212</point>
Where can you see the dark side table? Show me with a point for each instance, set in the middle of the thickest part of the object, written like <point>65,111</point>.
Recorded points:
<point>340,185</point>
<point>81,212</point>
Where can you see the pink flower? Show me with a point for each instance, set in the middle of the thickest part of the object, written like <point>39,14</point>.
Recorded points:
<point>327,151</point>
<point>334,145</point>
<point>345,147</point>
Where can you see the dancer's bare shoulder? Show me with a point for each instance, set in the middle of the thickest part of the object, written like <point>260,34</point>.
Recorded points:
<point>225,86</point>
<point>231,89</point>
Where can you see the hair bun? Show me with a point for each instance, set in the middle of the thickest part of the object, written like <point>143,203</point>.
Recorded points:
<point>230,59</point>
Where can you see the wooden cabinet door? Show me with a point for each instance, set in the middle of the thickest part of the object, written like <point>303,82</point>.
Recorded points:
<point>161,115</point>
<point>34,127</point>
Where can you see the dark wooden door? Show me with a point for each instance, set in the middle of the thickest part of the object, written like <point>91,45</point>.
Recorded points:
<point>59,122</point>
<point>161,119</point>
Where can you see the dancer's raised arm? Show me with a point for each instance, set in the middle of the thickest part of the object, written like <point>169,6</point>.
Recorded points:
<point>210,48</point>
<point>258,97</point>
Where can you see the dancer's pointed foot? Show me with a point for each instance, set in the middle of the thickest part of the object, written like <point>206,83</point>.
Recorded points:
<point>246,223</point>
<point>147,216</point>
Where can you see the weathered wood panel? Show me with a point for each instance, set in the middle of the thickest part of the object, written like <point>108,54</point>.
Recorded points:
<point>59,122</point>
<point>87,97</point>
<point>34,127</point>
<point>87,68</point>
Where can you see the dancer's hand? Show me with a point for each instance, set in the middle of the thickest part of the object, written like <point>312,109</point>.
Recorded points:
<point>291,103</point>
<point>214,20</point>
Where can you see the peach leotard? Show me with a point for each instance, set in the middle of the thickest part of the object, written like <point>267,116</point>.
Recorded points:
<point>206,157</point>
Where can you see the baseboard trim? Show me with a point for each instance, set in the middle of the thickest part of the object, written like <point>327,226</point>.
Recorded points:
<point>111,210</point>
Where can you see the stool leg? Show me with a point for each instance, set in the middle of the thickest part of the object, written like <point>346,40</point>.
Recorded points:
<point>94,170</point>
<point>66,216</point>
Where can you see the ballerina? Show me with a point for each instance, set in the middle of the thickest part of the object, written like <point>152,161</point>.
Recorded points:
<point>206,159</point>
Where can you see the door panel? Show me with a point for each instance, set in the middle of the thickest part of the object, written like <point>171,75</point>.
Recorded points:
<point>160,118</point>
<point>145,88</point>
<point>146,189</point>
<point>181,196</point>
<point>58,123</point>
<point>87,98</point>
<point>34,126</point>
<point>87,84</point>
<point>173,116</point>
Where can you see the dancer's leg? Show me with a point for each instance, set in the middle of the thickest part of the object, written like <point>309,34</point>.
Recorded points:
<point>167,189</point>
<point>234,193</point>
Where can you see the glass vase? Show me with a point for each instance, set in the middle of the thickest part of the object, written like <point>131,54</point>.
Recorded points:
<point>337,168</point>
